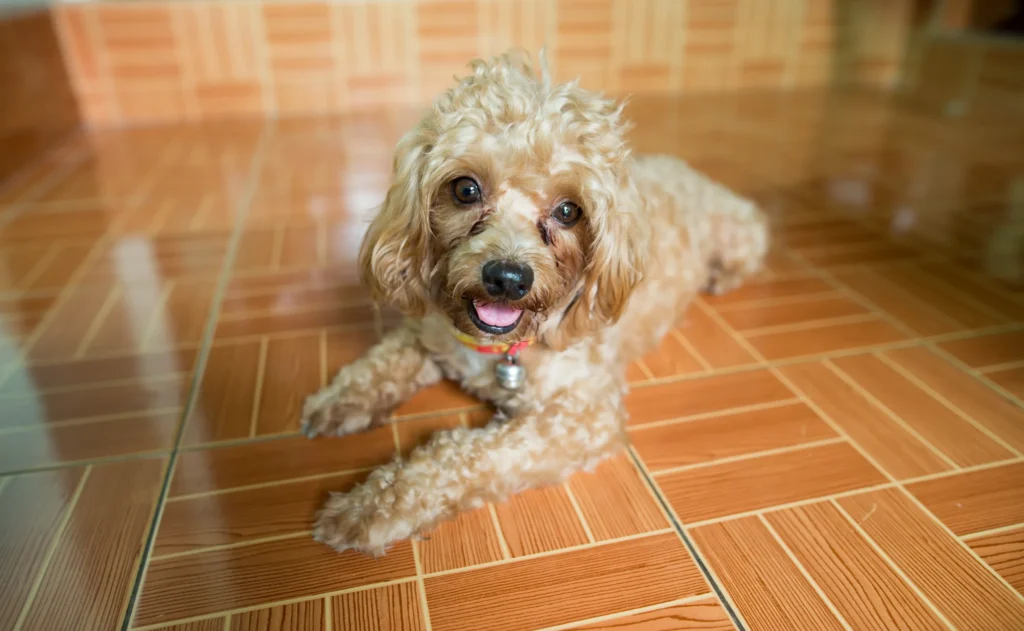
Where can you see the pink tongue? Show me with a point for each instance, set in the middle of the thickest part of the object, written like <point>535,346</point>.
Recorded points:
<point>495,314</point>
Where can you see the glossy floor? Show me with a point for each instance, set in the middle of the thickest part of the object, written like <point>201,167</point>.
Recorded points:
<point>838,445</point>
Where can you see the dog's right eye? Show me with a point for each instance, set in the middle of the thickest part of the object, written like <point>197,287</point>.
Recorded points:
<point>465,191</point>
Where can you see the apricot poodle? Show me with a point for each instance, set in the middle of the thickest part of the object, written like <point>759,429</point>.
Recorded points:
<point>534,258</point>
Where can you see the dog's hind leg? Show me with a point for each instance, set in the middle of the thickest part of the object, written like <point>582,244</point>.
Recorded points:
<point>365,392</point>
<point>738,243</point>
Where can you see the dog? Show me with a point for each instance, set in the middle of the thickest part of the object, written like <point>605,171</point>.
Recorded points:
<point>533,258</point>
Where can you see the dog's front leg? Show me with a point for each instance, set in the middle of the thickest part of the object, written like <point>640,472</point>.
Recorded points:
<point>464,468</point>
<point>365,392</point>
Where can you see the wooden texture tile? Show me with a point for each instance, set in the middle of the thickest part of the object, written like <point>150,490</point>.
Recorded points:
<point>895,448</point>
<point>32,508</point>
<point>539,520</point>
<point>954,436</point>
<point>239,516</point>
<point>861,585</point>
<point>616,501</point>
<point>767,589</point>
<point>919,315</point>
<point>744,485</point>
<point>48,445</point>
<point>945,297</point>
<point>563,588</point>
<point>414,432</point>
<point>988,350</point>
<point>231,578</point>
<point>222,468</point>
<point>394,608</point>
<point>1010,378</point>
<point>706,614</point>
<point>444,397</point>
<point>93,567</point>
<point>208,624</point>
<point>764,316</point>
<point>711,341</point>
<point>704,440</point>
<point>961,587</point>
<point>826,339</point>
<point>1004,553</point>
<point>671,358</point>
<point>305,615</point>
<point>469,539</point>
<point>986,407</point>
<point>224,402</point>
<point>704,395</point>
<point>102,400</point>
<point>771,289</point>
<point>976,501</point>
<point>291,371</point>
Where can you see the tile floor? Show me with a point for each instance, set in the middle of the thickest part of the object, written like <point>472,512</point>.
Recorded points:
<point>837,445</point>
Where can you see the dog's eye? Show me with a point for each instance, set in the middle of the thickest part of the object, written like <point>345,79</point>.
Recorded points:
<point>465,191</point>
<point>567,214</point>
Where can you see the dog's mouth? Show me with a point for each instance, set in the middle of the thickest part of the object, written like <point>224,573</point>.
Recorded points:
<point>494,318</point>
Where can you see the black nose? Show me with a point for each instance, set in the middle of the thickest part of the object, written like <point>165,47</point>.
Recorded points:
<point>505,279</point>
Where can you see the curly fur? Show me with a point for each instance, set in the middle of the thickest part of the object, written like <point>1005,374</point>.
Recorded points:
<point>653,233</point>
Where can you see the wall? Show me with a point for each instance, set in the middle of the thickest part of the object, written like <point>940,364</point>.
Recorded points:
<point>37,109</point>
<point>150,62</point>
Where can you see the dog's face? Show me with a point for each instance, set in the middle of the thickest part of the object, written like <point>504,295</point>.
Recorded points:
<point>512,210</point>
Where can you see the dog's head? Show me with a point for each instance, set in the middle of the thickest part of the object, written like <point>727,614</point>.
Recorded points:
<point>512,209</point>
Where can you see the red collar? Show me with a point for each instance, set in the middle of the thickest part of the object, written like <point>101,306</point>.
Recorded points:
<point>501,348</point>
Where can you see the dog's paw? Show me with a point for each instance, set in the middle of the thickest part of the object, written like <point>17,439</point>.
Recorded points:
<point>354,521</point>
<point>327,413</point>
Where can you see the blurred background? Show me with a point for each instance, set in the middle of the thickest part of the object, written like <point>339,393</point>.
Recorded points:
<point>115,63</point>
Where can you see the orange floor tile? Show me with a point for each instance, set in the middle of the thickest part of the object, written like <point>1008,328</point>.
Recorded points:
<point>837,445</point>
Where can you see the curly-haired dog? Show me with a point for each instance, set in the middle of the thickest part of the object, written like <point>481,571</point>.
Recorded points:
<point>516,213</point>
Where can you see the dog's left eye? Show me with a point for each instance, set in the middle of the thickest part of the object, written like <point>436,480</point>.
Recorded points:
<point>567,214</point>
<point>466,191</point>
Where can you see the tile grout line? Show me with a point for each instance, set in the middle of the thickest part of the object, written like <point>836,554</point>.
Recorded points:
<point>1001,530</point>
<point>568,626</point>
<point>295,534</point>
<point>809,325</point>
<point>885,409</point>
<point>705,568</point>
<point>420,586</point>
<point>50,551</point>
<point>154,319</point>
<point>506,553</point>
<point>790,505</point>
<point>803,572</point>
<point>690,348</point>
<point>777,301</point>
<point>579,512</point>
<point>764,453</point>
<point>262,485</point>
<point>892,564</point>
<point>88,462</point>
<point>724,412</point>
<point>199,365</point>
<point>991,368</point>
<point>113,294</point>
<point>257,391</point>
<point>934,394</point>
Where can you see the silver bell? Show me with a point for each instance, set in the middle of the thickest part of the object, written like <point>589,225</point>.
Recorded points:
<point>509,374</point>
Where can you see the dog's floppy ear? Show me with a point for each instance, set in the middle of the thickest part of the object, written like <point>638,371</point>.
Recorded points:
<point>615,263</point>
<point>394,256</point>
